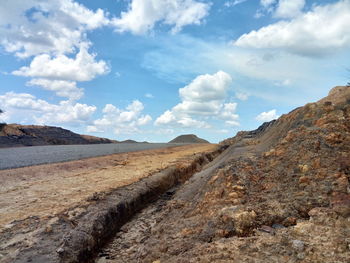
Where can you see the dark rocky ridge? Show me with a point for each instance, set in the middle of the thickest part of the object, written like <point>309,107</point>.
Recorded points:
<point>188,138</point>
<point>14,135</point>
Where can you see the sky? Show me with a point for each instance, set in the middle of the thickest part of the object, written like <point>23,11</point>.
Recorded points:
<point>150,70</point>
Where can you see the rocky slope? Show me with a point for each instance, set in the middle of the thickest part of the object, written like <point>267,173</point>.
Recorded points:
<point>282,195</point>
<point>13,135</point>
<point>188,138</point>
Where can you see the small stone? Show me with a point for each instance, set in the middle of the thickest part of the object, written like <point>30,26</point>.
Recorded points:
<point>156,261</point>
<point>267,229</point>
<point>290,221</point>
<point>213,179</point>
<point>304,180</point>
<point>304,168</point>
<point>48,229</point>
<point>233,195</point>
<point>300,256</point>
<point>60,250</point>
<point>238,188</point>
<point>298,245</point>
<point>186,232</point>
<point>278,226</point>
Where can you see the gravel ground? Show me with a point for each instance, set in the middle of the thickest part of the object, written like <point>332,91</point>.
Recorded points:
<point>28,156</point>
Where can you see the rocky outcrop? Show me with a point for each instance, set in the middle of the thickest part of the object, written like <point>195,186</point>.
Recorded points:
<point>188,138</point>
<point>13,135</point>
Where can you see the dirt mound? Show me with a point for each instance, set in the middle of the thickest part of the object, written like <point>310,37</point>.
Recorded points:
<point>14,135</point>
<point>188,138</point>
<point>283,195</point>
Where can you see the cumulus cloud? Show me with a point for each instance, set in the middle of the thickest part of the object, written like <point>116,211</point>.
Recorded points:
<point>203,98</point>
<point>307,34</point>
<point>62,88</point>
<point>281,8</point>
<point>267,6</point>
<point>267,3</point>
<point>61,73</point>
<point>228,113</point>
<point>28,108</point>
<point>35,27</point>
<point>267,116</point>
<point>121,121</point>
<point>143,15</point>
<point>82,68</point>
<point>289,8</point>
<point>53,34</point>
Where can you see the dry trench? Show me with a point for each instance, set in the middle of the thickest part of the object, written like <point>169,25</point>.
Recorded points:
<point>103,220</point>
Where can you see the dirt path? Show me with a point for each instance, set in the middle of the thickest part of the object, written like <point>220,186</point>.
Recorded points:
<point>47,190</point>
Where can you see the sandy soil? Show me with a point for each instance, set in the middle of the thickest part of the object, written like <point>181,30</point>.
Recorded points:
<point>47,190</point>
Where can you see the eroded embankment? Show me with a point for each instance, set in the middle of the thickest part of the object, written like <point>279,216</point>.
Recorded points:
<point>108,216</point>
<point>87,232</point>
<point>278,194</point>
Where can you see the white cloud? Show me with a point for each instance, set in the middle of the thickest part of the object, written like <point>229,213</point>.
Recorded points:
<point>67,112</point>
<point>267,7</point>
<point>267,3</point>
<point>233,3</point>
<point>62,88</point>
<point>35,27</point>
<point>166,118</point>
<point>289,8</point>
<point>280,8</point>
<point>207,88</point>
<point>228,113</point>
<point>203,98</point>
<point>121,121</point>
<point>267,116</point>
<point>242,96</point>
<point>323,30</point>
<point>149,95</point>
<point>143,120</point>
<point>82,68</point>
<point>188,122</point>
<point>143,15</point>
<point>26,107</point>
<point>54,34</point>
<point>61,73</point>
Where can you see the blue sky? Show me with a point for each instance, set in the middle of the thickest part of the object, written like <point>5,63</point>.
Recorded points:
<point>154,69</point>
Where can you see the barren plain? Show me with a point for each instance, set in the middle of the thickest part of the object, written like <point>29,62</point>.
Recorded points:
<point>37,195</point>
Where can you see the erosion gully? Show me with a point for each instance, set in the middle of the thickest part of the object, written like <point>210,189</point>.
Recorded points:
<point>128,243</point>
<point>128,213</point>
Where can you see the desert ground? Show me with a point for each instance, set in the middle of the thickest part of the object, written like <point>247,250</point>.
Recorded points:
<point>47,190</point>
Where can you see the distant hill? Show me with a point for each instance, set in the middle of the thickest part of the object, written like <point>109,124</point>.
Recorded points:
<point>129,141</point>
<point>14,135</point>
<point>132,141</point>
<point>188,138</point>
